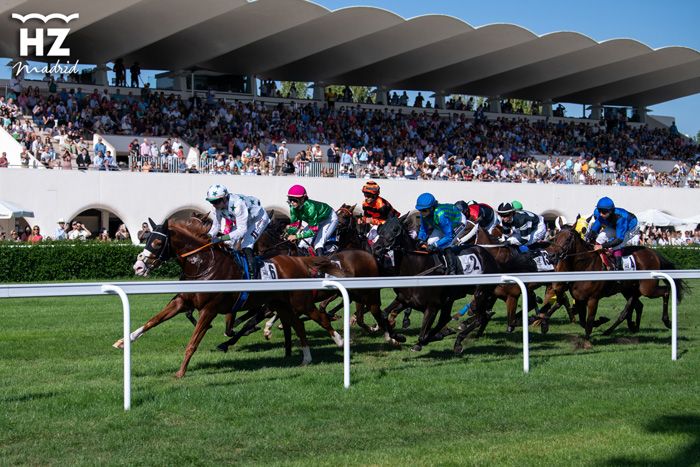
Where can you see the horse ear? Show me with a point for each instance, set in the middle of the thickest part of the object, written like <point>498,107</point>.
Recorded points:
<point>153,224</point>
<point>578,216</point>
<point>352,210</point>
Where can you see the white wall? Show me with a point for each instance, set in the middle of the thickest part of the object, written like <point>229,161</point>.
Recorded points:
<point>134,197</point>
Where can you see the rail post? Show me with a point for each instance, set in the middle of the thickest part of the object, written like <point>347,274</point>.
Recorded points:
<point>346,328</point>
<point>526,338</point>
<point>674,311</point>
<point>113,289</point>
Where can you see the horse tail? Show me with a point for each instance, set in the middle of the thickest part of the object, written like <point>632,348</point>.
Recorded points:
<point>682,286</point>
<point>326,266</point>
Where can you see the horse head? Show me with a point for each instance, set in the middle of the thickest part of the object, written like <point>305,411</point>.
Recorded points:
<point>389,236</point>
<point>156,251</point>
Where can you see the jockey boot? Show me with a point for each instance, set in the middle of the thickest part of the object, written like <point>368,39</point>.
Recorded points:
<point>319,251</point>
<point>618,262</point>
<point>451,261</point>
<point>250,257</point>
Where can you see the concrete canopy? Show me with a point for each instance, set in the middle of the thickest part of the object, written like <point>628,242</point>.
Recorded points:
<point>301,41</point>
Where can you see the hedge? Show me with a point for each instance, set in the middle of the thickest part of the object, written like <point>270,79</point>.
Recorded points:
<point>73,260</point>
<point>89,261</point>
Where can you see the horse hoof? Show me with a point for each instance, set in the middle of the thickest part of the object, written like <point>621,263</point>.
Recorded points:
<point>458,349</point>
<point>227,334</point>
<point>667,323</point>
<point>399,338</point>
<point>119,344</point>
<point>416,348</point>
<point>544,326</point>
<point>406,324</point>
<point>222,348</point>
<point>180,374</point>
<point>510,329</point>
<point>305,363</point>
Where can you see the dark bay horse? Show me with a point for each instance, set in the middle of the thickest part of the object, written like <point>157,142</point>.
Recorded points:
<point>577,255</point>
<point>174,238</point>
<point>431,300</point>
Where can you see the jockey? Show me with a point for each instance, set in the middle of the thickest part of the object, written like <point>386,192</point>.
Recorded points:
<point>440,227</point>
<point>522,228</point>
<point>613,228</point>
<point>321,220</point>
<point>246,213</point>
<point>479,213</point>
<point>375,209</point>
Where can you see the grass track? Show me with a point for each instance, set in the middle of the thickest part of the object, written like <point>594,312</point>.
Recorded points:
<point>623,402</point>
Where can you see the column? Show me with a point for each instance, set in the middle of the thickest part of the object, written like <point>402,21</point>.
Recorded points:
<point>319,91</point>
<point>547,108</point>
<point>596,111</point>
<point>642,112</point>
<point>100,75</point>
<point>495,104</point>
<point>439,99</point>
<point>381,95</point>
<point>254,90</point>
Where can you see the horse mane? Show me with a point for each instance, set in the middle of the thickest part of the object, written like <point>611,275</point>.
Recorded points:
<point>193,228</point>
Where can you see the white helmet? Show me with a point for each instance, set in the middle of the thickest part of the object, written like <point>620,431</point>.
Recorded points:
<point>216,192</point>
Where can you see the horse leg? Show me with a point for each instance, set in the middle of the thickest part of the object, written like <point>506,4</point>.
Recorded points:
<point>324,322</point>
<point>289,317</point>
<point>624,314</point>
<point>206,316</point>
<point>652,289</point>
<point>360,318</point>
<point>511,306</point>
<point>440,330</point>
<point>406,323</point>
<point>426,325</point>
<point>248,327</point>
<point>590,317</point>
<point>176,305</point>
<point>267,331</point>
<point>639,307</point>
<point>390,312</point>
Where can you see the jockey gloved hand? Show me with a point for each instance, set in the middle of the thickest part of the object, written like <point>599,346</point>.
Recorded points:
<point>513,241</point>
<point>217,240</point>
<point>291,237</point>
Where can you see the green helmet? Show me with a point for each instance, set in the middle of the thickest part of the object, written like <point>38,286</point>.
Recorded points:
<point>517,205</point>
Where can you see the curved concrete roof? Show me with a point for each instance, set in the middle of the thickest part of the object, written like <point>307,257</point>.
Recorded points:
<point>300,40</point>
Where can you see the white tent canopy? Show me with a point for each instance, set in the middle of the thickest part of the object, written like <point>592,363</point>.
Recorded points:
<point>659,218</point>
<point>9,210</point>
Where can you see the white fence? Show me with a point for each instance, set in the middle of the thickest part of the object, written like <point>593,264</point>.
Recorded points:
<point>123,289</point>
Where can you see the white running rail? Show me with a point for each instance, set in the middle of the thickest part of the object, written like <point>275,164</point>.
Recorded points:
<point>123,289</point>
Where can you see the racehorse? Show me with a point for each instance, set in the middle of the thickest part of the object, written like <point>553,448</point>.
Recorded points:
<point>392,235</point>
<point>174,238</point>
<point>577,255</point>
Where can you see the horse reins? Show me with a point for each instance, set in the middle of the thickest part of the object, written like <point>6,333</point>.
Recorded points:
<point>196,250</point>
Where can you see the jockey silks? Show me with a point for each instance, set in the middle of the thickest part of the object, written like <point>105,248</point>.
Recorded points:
<point>447,218</point>
<point>377,211</point>
<point>313,213</point>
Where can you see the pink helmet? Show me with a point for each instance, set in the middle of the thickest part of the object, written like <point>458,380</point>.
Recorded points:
<point>297,191</point>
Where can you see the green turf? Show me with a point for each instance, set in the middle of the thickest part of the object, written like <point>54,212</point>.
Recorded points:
<point>622,402</point>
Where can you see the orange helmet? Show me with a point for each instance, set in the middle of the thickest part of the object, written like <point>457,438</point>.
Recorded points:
<point>371,188</point>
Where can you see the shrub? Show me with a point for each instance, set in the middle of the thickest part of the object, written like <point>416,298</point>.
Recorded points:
<point>73,260</point>
<point>682,257</point>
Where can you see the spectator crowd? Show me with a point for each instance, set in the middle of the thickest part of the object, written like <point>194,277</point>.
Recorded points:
<point>250,138</point>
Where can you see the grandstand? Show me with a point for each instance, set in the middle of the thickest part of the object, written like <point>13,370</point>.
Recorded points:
<point>210,100</point>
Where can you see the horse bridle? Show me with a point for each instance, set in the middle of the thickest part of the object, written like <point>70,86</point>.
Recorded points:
<point>154,258</point>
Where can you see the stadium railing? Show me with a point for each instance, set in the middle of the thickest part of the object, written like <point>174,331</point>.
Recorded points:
<point>123,289</point>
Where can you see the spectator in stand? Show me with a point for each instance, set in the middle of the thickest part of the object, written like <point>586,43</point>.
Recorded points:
<point>122,233</point>
<point>135,71</point>
<point>26,233</point>
<point>4,163</point>
<point>120,72</point>
<point>78,231</point>
<point>35,235</point>
<point>103,236</point>
<point>332,155</point>
<point>143,234</point>
<point>60,232</point>
<point>99,148</point>
<point>83,160</point>
<point>66,161</point>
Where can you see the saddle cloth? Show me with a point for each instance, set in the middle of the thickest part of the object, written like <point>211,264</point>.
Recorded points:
<point>470,264</point>
<point>268,270</point>
<point>541,259</point>
<point>628,263</point>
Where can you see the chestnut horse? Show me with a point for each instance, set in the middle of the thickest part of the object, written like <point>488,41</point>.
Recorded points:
<point>578,255</point>
<point>174,238</point>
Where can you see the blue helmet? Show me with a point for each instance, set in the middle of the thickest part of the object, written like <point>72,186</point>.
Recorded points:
<point>426,201</point>
<point>605,203</point>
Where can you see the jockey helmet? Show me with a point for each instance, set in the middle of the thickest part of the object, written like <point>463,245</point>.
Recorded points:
<point>605,204</point>
<point>471,202</point>
<point>505,209</point>
<point>216,192</point>
<point>426,201</point>
<point>371,188</point>
<point>463,207</point>
<point>296,191</point>
<point>517,205</point>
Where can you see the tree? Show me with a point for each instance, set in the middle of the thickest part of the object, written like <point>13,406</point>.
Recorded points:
<point>302,88</point>
<point>697,137</point>
<point>359,93</point>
